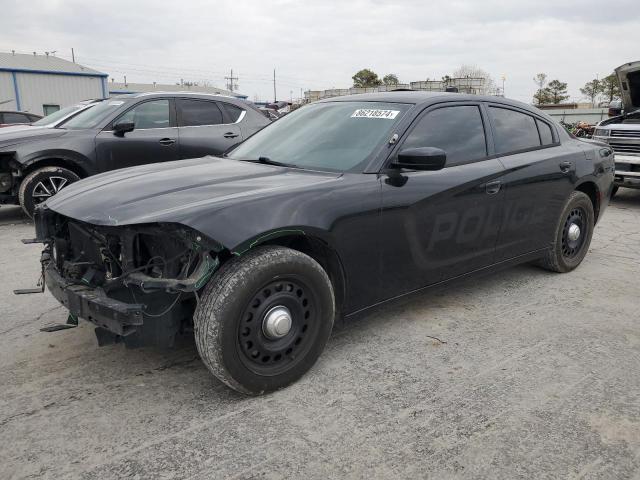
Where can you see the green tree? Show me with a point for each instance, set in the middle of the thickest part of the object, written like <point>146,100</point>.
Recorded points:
<point>591,90</point>
<point>541,96</point>
<point>557,91</point>
<point>610,87</point>
<point>390,79</point>
<point>366,78</point>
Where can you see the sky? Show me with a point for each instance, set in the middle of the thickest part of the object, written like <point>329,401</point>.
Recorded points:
<point>318,45</point>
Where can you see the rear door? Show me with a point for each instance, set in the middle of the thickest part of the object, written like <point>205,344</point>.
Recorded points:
<point>206,128</point>
<point>538,179</point>
<point>154,138</point>
<point>441,224</point>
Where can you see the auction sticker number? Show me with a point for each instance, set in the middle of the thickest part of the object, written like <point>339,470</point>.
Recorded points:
<point>375,113</point>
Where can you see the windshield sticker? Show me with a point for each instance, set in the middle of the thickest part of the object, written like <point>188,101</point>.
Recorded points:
<point>375,113</point>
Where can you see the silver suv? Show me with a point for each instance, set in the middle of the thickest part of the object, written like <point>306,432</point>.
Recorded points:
<point>622,132</point>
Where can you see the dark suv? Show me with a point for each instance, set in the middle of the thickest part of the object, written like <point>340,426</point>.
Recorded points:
<point>120,132</point>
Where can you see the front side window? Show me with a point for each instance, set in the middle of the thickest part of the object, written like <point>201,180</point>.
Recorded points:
<point>513,130</point>
<point>334,136</point>
<point>458,130</point>
<point>199,112</point>
<point>152,114</point>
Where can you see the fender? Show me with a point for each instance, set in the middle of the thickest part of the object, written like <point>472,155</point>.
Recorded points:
<point>78,162</point>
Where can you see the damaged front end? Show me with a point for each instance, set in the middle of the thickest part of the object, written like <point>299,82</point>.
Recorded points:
<point>137,283</point>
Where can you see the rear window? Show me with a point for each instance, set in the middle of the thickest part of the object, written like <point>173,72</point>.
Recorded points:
<point>199,112</point>
<point>16,118</point>
<point>513,130</point>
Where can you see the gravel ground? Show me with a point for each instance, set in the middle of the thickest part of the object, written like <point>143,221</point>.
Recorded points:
<point>523,374</point>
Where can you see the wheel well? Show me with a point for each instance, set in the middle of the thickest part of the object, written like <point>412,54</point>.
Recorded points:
<point>55,162</point>
<point>321,253</point>
<point>591,190</point>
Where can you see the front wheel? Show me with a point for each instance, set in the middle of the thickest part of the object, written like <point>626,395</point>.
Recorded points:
<point>42,184</point>
<point>573,235</point>
<point>264,318</point>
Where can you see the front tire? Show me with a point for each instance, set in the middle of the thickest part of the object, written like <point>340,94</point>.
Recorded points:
<point>264,318</point>
<point>42,184</point>
<point>573,235</point>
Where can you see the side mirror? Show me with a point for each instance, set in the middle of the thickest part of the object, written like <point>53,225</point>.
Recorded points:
<point>121,128</point>
<point>423,158</point>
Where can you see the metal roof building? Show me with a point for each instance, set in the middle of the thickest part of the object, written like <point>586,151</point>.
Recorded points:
<point>42,84</point>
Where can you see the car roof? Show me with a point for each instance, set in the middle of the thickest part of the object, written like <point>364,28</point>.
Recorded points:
<point>423,98</point>
<point>179,94</point>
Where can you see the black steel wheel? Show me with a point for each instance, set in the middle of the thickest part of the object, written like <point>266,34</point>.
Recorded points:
<point>572,236</point>
<point>277,326</point>
<point>264,319</point>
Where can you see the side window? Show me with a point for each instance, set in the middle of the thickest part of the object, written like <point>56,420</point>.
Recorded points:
<point>199,112</point>
<point>513,130</point>
<point>16,118</point>
<point>457,130</point>
<point>152,114</point>
<point>545,132</point>
<point>232,111</point>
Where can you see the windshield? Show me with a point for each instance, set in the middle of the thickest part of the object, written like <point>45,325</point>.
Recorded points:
<point>93,116</point>
<point>337,136</point>
<point>55,117</point>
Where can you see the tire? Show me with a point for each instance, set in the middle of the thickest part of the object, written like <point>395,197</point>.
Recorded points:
<point>34,187</point>
<point>614,190</point>
<point>567,253</point>
<point>230,322</point>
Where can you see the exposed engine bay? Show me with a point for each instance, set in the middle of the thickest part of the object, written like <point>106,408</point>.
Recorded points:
<point>138,284</point>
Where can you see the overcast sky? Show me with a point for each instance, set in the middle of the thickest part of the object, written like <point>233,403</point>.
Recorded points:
<point>321,44</point>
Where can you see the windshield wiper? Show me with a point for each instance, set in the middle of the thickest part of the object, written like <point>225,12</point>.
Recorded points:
<point>268,161</point>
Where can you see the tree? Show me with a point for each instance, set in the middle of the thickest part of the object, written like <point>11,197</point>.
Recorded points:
<point>446,79</point>
<point>390,79</point>
<point>473,71</point>
<point>541,96</point>
<point>366,78</point>
<point>591,90</point>
<point>557,91</point>
<point>610,87</point>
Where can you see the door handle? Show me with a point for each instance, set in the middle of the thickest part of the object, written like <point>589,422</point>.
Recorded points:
<point>565,166</point>
<point>167,141</point>
<point>493,187</point>
<point>230,135</point>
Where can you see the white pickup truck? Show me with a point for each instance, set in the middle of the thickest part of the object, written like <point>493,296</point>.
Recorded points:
<point>622,132</point>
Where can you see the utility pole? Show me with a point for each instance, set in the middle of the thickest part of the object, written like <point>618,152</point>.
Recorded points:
<point>231,78</point>
<point>275,97</point>
<point>73,56</point>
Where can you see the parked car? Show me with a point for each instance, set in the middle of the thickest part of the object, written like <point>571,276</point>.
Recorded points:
<point>8,118</point>
<point>120,132</point>
<point>340,206</point>
<point>53,120</point>
<point>622,132</point>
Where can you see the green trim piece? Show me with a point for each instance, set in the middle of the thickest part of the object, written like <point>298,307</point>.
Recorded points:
<point>277,233</point>
<point>212,265</point>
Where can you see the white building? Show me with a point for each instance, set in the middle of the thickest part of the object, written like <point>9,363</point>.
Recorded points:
<point>118,88</point>
<point>43,84</point>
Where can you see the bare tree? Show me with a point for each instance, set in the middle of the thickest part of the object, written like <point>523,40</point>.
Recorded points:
<point>542,95</point>
<point>473,71</point>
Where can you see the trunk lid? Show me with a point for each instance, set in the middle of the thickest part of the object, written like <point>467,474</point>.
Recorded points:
<point>629,78</point>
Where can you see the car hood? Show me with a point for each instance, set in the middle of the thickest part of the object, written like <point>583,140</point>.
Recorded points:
<point>27,134</point>
<point>629,78</point>
<point>183,191</point>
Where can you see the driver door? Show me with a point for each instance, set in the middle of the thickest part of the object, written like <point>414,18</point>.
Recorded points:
<point>153,139</point>
<point>442,224</point>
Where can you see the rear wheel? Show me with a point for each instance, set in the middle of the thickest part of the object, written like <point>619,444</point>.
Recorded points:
<point>264,319</point>
<point>42,184</point>
<point>573,235</point>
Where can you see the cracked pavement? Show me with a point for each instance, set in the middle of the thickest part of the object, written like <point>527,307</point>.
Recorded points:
<point>538,378</point>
